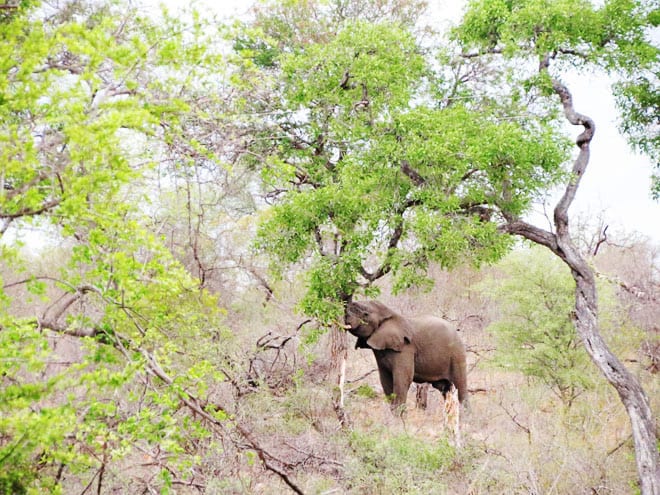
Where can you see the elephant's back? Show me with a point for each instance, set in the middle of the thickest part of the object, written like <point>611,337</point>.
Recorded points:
<point>434,325</point>
<point>435,331</point>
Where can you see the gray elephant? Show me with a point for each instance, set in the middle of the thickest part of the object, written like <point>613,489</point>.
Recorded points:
<point>425,349</point>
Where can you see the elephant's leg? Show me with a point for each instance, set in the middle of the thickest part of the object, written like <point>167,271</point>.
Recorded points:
<point>386,381</point>
<point>443,386</point>
<point>459,379</point>
<point>403,376</point>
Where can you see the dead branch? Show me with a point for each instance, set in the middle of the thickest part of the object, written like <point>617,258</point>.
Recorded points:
<point>619,445</point>
<point>361,377</point>
<point>601,240</point>
<point>312,455</point>
<point>513,416</point>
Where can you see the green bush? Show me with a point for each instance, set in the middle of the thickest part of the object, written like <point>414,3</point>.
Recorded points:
<point>535,333</point>
<point>397,464</point>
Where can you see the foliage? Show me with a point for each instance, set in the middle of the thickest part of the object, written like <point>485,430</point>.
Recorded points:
<point>615,35</point>
<point>81,88</point>
<point>639,100</point>
<point>399,463</point>
<point>129,147</point>
<point>535,333</point>
<point>372,177</point>
<point>611,36</point>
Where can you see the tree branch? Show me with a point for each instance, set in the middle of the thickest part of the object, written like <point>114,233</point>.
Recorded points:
<point>531,232</point>
<point>29,212</point>
<point>579,166</point>
<point>412,174</point>
<point>489,51</point>
<point>194,404</point>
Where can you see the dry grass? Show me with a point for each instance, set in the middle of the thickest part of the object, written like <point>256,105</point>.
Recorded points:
<point>516,438</point>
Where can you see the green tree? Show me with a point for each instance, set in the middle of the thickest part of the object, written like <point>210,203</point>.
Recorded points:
<point>552,37</point>
<point>369,181</point>
<point>535,333</point>
<point>96,98</point>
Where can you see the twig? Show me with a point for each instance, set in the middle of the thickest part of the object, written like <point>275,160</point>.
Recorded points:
<point>362,377</point>
<point>618,446</point>
<point>89,485</point>
<point>513,418</point>
<point>311,455</point>
<point>601,240</point>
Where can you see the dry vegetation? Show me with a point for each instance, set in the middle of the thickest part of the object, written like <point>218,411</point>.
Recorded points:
<point>517,437</point>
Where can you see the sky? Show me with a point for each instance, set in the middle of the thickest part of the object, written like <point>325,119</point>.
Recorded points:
<point>616,186</point>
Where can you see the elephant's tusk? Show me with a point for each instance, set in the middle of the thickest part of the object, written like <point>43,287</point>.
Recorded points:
<point>346,327</point>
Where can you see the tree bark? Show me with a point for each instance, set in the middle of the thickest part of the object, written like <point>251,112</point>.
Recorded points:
<point>339,354</point>
<point>630,391</point>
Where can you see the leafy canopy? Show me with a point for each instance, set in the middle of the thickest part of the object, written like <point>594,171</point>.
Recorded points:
<point>616,36</point>
<point>91,96</point>
<point>373,173</point>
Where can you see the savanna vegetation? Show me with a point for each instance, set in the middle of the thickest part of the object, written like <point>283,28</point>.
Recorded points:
<point>187,203</point>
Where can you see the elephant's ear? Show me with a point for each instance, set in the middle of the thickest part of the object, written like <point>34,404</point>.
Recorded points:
<point>378,313</point>
<point>393,334</point>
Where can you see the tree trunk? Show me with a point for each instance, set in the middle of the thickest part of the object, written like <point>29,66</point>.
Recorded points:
<point>338,354</point>
<point>422,396</point>
<point>627,386</point>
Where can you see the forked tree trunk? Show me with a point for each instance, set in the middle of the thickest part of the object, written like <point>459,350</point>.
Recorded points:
<point>627,386</point>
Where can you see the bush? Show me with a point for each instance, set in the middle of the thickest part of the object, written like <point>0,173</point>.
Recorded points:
<point>397,464</point>
<point>535,333</point>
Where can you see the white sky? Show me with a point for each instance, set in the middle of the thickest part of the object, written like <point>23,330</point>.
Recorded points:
<point>617,183</point>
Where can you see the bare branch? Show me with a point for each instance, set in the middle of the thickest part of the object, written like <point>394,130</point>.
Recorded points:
<point>412,174</point>
<point>601,240</point>
<point>490,51</point>
<point>513,416</point>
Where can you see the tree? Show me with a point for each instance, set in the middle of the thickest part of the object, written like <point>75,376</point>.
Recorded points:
<point>381,160</point>
<point>639,101</point>
<point>100,351</point>
<point>611,37</point>
<point>367,185</point>
<point>364,183</point>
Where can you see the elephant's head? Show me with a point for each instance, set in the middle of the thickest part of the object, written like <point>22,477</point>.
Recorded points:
<point>376,326</point>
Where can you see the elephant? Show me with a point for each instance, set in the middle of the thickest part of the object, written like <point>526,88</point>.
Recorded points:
<point>424,349</point>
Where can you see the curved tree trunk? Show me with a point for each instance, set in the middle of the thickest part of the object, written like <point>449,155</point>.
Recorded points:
<point>627,386</point>
<point>630,391</point>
